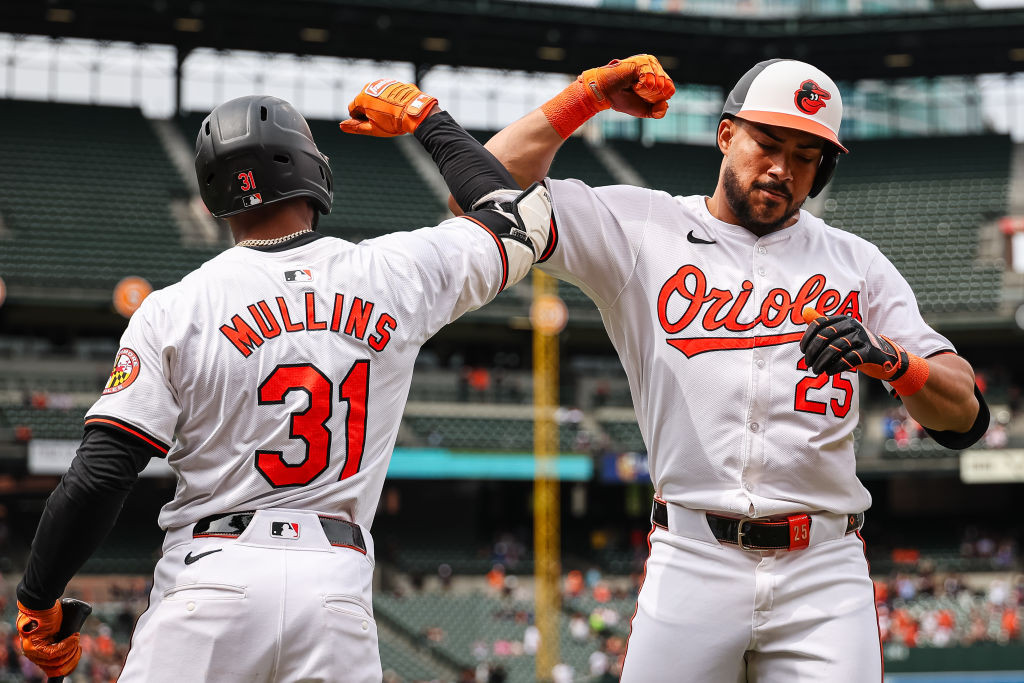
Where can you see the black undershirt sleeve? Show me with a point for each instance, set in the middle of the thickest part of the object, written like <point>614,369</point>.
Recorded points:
<point>469,170</point>
<point>81,511</point>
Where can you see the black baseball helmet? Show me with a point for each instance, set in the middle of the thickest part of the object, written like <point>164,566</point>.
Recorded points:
<point>258,150</point>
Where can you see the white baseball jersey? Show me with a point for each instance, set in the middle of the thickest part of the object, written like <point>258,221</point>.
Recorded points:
<point>277,379</point>
<point>706,319</point>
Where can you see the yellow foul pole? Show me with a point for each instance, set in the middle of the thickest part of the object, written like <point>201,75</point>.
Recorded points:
<point>548,315</point>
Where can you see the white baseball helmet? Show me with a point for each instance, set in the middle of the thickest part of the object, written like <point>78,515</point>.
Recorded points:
<point>788,93</point>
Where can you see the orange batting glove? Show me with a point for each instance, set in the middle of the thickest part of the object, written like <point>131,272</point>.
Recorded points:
<point>637,86</point>
<point>37,629</point>
<point>386,108</point>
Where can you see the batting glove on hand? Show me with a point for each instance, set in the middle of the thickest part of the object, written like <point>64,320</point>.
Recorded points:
<point>637,86</point>
<point>835,343</point>
<point>38,629</point>
<point>386,108</point>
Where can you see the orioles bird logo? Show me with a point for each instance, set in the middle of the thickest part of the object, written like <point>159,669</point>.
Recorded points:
<point>811,97</point>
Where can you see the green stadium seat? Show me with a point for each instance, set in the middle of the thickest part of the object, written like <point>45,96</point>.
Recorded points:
<point>675,168</point>
<point>400,657</point>
<point>922,202</point>
<point>90,203</point>
<point>45,424</point>
<point>625,435</point>
<point>471,624</point>
<point>487,434</point>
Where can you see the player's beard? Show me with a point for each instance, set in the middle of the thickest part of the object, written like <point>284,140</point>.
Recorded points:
<point>741,206</point>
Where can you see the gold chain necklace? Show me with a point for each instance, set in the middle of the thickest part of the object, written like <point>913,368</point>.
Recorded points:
<point>270,243</point>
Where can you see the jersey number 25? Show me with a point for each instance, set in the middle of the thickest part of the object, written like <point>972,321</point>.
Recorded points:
<point>805,404</point>
<point>310,425</point>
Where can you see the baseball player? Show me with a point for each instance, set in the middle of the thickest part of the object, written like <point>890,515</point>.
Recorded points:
<point>273,380</point>
<point>756,569</point>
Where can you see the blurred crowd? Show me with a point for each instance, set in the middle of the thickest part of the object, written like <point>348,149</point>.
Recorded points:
<point>599,614</point>
<point>904,432</point>
<point>1003,395</point>
<point>479,384</point>
<point>936,610</point>
<point>48,400</point>
<point>917,607</point>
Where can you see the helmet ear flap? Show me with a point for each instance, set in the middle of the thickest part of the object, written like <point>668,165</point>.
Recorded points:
<point>826,167</point>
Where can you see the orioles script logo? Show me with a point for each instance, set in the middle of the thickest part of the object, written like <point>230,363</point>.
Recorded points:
<point>720,309</point>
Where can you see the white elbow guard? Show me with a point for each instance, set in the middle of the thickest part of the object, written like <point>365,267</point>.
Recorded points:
<point>528,210</point>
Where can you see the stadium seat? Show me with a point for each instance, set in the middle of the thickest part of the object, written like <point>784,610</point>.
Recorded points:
<point>488,434</point>
<point>469,627</point>
<point>922,202</point>
<point>89,202</point>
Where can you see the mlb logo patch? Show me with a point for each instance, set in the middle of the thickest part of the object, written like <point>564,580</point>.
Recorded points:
<point>284,529</point>
<point>417,104</point>
<point>252,200</point>
<point>301,275</point>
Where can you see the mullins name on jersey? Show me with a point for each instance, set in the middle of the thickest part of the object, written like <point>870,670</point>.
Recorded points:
<point>265,321</point>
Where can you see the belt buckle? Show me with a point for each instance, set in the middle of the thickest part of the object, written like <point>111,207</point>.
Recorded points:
<point>740,534</point>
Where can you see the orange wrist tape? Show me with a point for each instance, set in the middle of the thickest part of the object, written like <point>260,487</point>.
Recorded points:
<point>913,380</point>
<point>570,109</point>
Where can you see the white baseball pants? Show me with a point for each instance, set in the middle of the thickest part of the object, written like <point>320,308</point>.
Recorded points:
<point>712,613</point>
<point>259,608</point>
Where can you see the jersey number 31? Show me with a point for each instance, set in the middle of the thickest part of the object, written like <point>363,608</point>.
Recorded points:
<point>310,425</point>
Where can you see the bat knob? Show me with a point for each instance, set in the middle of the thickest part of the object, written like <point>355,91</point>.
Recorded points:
<point>73,615</point>
<point>810,315</point>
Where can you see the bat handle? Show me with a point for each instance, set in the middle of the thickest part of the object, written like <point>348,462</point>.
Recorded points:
<point>73,615</point>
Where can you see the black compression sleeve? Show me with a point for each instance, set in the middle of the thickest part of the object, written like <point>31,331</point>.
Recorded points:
<point>469,170</point>
<point>81,511</point>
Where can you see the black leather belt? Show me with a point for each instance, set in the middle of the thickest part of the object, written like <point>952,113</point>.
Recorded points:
<point>339,532</point>
<point>792,533</point>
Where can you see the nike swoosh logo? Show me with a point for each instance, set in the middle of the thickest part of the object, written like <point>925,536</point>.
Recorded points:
<point>693,239</point>
<point>190,558</point>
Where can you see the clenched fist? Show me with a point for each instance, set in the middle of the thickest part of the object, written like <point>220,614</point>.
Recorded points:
<point>637,86</point>
<point>386,108</point>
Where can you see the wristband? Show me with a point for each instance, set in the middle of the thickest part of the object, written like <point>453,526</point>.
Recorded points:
<point>570,109</point>
<point>913,379</point>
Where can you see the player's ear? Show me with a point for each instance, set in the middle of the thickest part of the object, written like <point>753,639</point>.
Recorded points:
<point>726,133</point>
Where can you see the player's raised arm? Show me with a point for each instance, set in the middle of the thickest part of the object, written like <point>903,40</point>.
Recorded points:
<point>387,108</point>
<point>480,180</point>
<point>637,86</point>
<point>477,180</point>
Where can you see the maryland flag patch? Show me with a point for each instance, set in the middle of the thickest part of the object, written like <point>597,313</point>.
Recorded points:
<point>126,369</point>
